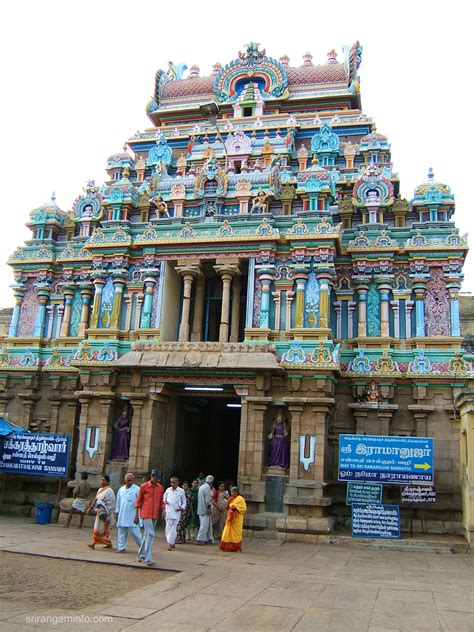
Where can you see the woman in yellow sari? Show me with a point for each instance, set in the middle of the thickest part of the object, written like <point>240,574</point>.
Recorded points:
<point>232,535</point>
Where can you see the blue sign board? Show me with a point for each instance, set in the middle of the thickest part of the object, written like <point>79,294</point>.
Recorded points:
<point>391,460</point>
<point>376,521</point>
<point>35,454</point>
<point>364,493</point>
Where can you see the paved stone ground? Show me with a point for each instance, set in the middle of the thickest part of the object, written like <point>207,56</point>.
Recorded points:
<point>270,586</point>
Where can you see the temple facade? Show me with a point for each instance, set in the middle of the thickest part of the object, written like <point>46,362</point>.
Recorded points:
<point>246,285</point>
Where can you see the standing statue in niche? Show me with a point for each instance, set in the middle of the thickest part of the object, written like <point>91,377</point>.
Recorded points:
<point>121,436</point>
<point>279,449</point>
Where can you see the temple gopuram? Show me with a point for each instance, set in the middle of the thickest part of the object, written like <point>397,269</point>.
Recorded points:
<point>247,285</point>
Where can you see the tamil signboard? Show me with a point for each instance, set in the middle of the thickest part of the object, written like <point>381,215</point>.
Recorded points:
<point>376,521</point>
<point>418,494</point>
<point>365,493</point>
<point>35,454</point>
<point>391,460</point>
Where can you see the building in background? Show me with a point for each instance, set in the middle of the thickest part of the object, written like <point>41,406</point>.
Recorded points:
<point>248,273</point>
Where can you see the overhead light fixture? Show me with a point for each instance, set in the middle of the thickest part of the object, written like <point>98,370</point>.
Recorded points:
<point>215,389</point>
<point>234,405</point>
<point>209,111</point>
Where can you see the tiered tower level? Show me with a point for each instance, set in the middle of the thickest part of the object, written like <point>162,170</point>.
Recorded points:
<point>271,237</point>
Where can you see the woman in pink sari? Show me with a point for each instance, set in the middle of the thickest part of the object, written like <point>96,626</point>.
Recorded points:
<point>104,504</point>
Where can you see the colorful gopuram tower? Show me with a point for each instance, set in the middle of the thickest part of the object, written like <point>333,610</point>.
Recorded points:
<point>248,271</point>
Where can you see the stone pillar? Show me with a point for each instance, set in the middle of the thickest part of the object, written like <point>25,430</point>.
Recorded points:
<point>362,324</point>
<point>184,324</point>
<point>465,405</point>
<point>119,285</point>
<point>289,300</point>
<point>86,293</point>
<point>454,308</point>
<point>226,271</point>
<point>338,309</point>
<point>59,313</point>
<point>128,317</point>
<point>408,308</point>
<point>420,289</point>
<point>396,317</point>
<point>243,449</point>
<point>18,292</point>
<point>82,459</point>
<point>235,317</point>
<point>255,439</point>
<point>68,295</point>
<point>188,271</point>
<point>54,414</point>
<point>384,290</point>
<point>136,320</point>
<point>225,307</point>
<point>145,321</point>
<point>300,279</point>
<point>321,431</point>
<point>265,276</point>
<point>99,283</point>
<point>105,421</point>
<point>296,411</point>
<point>196,334</point>
<point>43,297</point>
<point>351,305</point>
<point>29,402</point>
<point>323,301</point>
<point>140,444</point>
<point>277,300</point>
<point>50,312</point>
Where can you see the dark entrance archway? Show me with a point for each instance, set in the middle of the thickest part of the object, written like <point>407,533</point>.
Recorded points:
<point>208,437</point>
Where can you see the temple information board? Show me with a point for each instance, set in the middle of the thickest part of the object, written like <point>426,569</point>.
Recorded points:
<point>418,494</point>
<point>35,454</point>
<point>391,460</point>
<point>365,493</point>
<point>376,521</point>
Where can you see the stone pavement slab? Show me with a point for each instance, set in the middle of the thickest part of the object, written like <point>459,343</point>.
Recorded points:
<point>271,585</point>
<point>411,617</point>
<point>257,618</point>
<point>328,620</point>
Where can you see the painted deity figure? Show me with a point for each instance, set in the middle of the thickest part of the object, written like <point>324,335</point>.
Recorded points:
<point>259,203</point>
<point>181,164</point>
<point>161,206</point>
<point>121,437</point>
<point>279,448</point>
<point>210,209</point>
<point>373,393</point>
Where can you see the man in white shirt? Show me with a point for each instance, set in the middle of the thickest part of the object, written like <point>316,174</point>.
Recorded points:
<point>175,502</point>
<point>125,513</point>
<point>205,535</point>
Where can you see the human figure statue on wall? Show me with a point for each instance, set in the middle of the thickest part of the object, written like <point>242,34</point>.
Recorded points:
<point>121,436</point>
<point>279,448</point>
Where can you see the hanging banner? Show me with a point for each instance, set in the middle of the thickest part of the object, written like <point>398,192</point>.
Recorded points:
<point>35,454</point>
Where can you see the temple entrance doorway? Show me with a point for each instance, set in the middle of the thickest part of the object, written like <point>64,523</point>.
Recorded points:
<point>208,437</point>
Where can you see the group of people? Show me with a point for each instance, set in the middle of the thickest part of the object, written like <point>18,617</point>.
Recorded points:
<point>200,513</point>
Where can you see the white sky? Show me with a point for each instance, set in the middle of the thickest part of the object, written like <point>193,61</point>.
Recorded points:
<point>76,78</point>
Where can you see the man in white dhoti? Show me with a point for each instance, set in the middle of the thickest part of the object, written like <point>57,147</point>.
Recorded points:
<point>125,513</point>
<point>79,505</point>
<point>205,535</point>
<point>175,502</point>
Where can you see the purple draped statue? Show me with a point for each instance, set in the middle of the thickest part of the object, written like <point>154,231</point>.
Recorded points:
<point>121,438</point>
<point>279,450</point>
